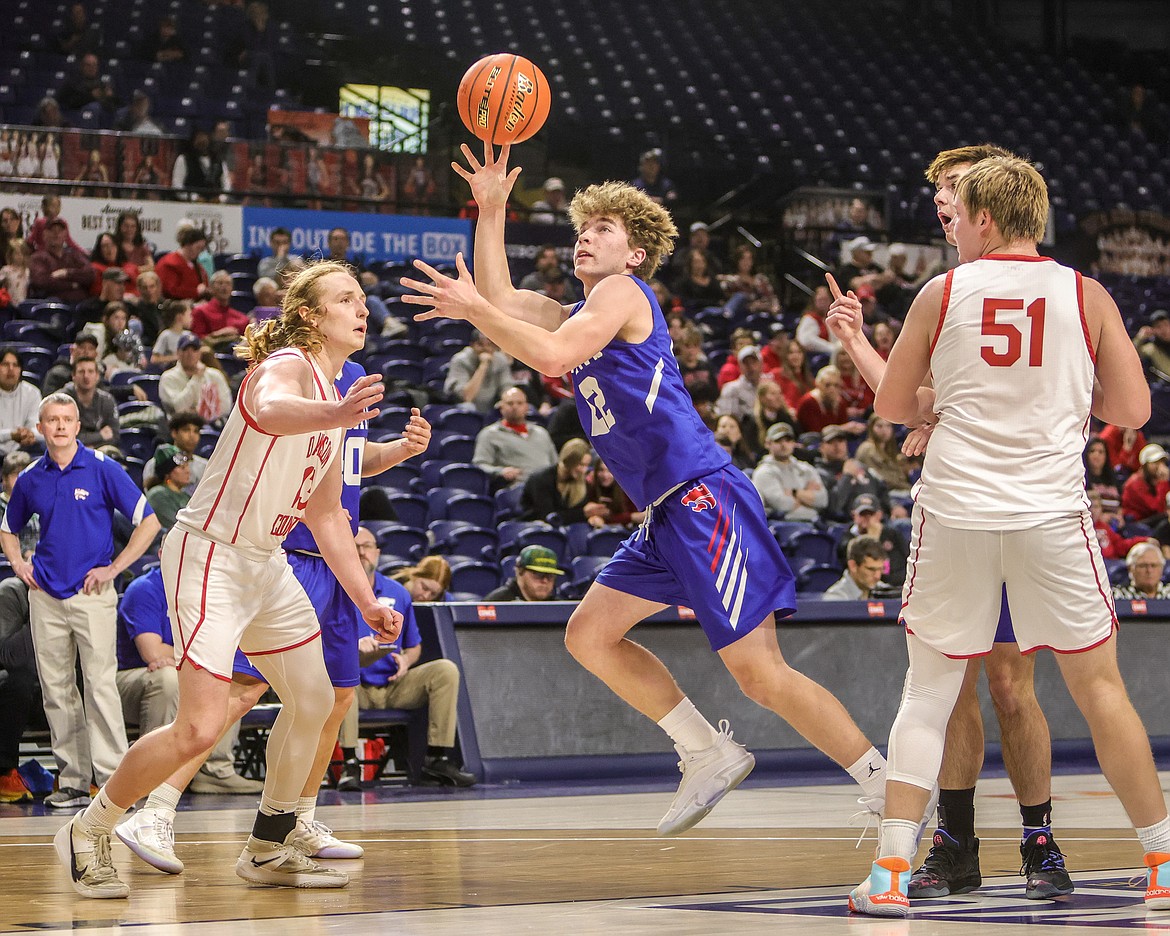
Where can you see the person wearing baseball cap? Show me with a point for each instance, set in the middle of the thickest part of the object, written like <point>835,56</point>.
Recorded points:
<point>550,208</point>
<point>738,397</point>
<point>1153,344</point>
<point>1143,496</point>
<point>868,520</point>
<point>172,473</point>
<point>535,578</point>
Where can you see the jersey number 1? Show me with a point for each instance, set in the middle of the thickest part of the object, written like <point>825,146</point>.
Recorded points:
<point>1015,338</point>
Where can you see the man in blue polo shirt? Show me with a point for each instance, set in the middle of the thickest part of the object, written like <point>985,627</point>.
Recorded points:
<point>72,601</point>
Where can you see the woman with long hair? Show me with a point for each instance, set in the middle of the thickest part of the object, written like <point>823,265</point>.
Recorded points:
<point>795,376</point>
<point>560,490</point>
<point>619,510</point>
<point>107,253</point>
<point>880,453</point>
<point>135,247</point>
<point>770,408</point>
<point>114,320</point>
<point>1100,475</point>
<point>729,435</point>
<point>698,287</point>
<point>429,580</point>
<point>746,288</point>
<point>855,391</point>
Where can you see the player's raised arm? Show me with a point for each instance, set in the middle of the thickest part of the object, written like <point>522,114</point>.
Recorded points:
<point>381,456</point>
<point>1121,396</point>
<point>280,399</point>
<point>491,183</point>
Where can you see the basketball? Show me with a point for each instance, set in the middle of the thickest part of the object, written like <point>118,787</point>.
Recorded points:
<point>504,98</point>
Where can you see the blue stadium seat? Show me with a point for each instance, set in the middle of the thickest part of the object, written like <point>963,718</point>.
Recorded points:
<point>403,541</point>
<point>605,541</point>
<point>463,421</point>
<point>411,509</point>
<point>476,578</point>
<point>508,502</point>
<point>813,544</point>
<point>818,578</point>
<point>458,448</point>
<point>466,477</point>
<point>581,573</point>
<point>476,509</point>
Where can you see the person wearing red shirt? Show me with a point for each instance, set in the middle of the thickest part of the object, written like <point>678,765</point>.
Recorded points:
<point>729,371</point>
<point>1144,495</point>
<point>182,277</point>
<point>823,405</point>
<point>772,354</point>
<point>1113,544</point>
<point>1124,446</point>
<point>215,321</point>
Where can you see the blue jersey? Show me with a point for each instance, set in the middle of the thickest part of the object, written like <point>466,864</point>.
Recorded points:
<point>76,507</point>
<point>352,450</point>
<point>395,596</point>
<point>142,610</point>
<point>639,416</point>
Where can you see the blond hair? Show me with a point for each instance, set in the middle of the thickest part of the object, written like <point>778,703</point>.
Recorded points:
<point>648,224</point>
<point>1012,192</point>
<point>296,326</point>
<point>571,488</point>
<point>945,161</point>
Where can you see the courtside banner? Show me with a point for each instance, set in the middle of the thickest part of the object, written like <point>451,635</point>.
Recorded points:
<point>371,236</point>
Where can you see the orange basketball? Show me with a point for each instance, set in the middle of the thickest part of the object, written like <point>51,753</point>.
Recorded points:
<point>504,98</point>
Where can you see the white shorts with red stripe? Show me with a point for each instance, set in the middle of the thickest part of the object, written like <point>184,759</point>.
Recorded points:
<point>1057,587</point>
<point>218,599</point>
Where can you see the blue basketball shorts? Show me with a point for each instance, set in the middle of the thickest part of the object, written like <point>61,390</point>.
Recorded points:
<point>338,616</point>
<point>707,547</point>
<point>241,666</point>
<point>1004,633</point>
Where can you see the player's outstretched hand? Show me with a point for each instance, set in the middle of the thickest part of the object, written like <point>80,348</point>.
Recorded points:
<point>416,436</point>
<point>448,298</point>
<point>383,621</point>
<point>360,403</point>
<point>491,183</point>
<point>844,318</point>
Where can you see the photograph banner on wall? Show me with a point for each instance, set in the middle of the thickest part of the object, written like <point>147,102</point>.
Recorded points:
<point>372,237</point>
<point>1128,242</point>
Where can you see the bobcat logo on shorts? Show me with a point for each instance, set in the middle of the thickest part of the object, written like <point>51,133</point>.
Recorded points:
<point>699,498</point>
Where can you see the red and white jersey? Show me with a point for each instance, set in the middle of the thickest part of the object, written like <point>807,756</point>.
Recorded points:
<point>1013,372</point>
<point>256,485</point>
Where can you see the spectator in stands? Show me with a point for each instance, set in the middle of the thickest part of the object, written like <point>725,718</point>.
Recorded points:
<point>824,406</point>
<point>59,271</point>
<point>380,321</point>
<point>1153,344</point>
<point>146,308</point>
<point>96,407</point>
<point>831,456</point>
<point>882,455</point>
<point>176,322</point>
<point>773,352</point>
<point>698,238</point>
<point>126,355</point>
<point>429,580</point>
<point>84,347</point>
<point>280,243</point>
<point>172,476</point>
<point>812,333</point>
<point>746,289</point>
<point>512,448</point>
<point>729,370</point>
<point>14,275</point>
<point>861,268</point>
<point>215,321</point>
<point>855,392</point>
<point>853,480</point>
<point>137,249</point>
<point>535,577</point>
<point>666,299</point>
<point>692,363</point>
<point>1145,563</point>
<point>185,435</point>
<point>107,255</point>
<point>550,207</point>
<point>547,261</point>
<point>697,287</point>
<point>14,463</point>
<point>199,173</point>
<point>1113,544</point>
<point>254,47</point>
<point>1139,114</point>
<point>50,212</point>
<point>181,275</point>
<point>703,398</point>
<point>419,187</point>
<point>1125,446</point>
<point>72,598</point>
<point>113,321</point>
<point>479,374</point>
<point>19,403</point>
<point>48,115</point>
<point>795,376</point>
<point>651,180</point>
<point>882,339</point>
<point>770,408</point>
<point>135,116</point>
<point>191,386</point>
<point>148,682</point>
<point>1143,497</point>
<point>11,225</point>
<point>867,518</point>
<point>897,295</point>
<point>393,677</point>
<point>89,315</point>
<point>604,492</point>
<point>729,435</point>
<point>791,489</point>
<point>865,563</point>
<point>559,491</point>
<point>1100,475</point>
<point>267,294</point>
<point>738,398</point>
<point>84,86</point>
<point>19,689</point>
<point>165,46</point>
<point>339,249</point>
<point>77,35</point>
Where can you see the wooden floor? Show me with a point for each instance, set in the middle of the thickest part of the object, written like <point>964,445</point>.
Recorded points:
<point>767,860</point>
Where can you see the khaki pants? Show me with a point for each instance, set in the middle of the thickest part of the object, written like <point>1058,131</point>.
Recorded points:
<point>434,684</point>
<point>89,738</point>
<point>151,699</point>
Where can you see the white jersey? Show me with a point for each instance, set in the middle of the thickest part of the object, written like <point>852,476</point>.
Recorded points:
<point>1013,372</point>
<point>255,487</point>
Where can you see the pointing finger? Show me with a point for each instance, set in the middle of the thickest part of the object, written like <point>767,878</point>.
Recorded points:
<point>833,287</point>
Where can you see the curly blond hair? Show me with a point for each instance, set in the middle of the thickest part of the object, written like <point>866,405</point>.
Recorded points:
<point>647,223</point>
<point>296,326</point>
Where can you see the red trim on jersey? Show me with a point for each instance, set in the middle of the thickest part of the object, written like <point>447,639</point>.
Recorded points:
<point>179,666</point>
<point>202,596</point>
<point>248,418</point>
<point>255,484</point>
<point>175,603</point>
<point>914,574</point>
<point>1106,595</point>
<point>1084,320</point>
<point>299,643</point>
<point>722,539</point>
<point>942,314</point>
<point>226,477</point>
<point>1025,257</point>
<point>715,529</point>
<point>1091,646</point>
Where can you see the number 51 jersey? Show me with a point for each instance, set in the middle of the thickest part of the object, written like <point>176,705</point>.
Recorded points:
<point>1013,375</point>
<point>639,416</point>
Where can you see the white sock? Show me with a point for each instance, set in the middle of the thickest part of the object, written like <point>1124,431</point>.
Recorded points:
<point>899,839</point>
<point>98,818</point>
<point>688,728</point>
<point>307,808</point>
<point>165,799</point>
<point>1156,838</point>
<point>870,773</point>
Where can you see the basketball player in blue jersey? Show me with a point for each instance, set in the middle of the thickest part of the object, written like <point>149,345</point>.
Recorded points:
<point>148,832</point>
<point>705,543</point>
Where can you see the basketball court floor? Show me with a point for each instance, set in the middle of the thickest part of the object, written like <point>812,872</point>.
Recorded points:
<point>582,860</point>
